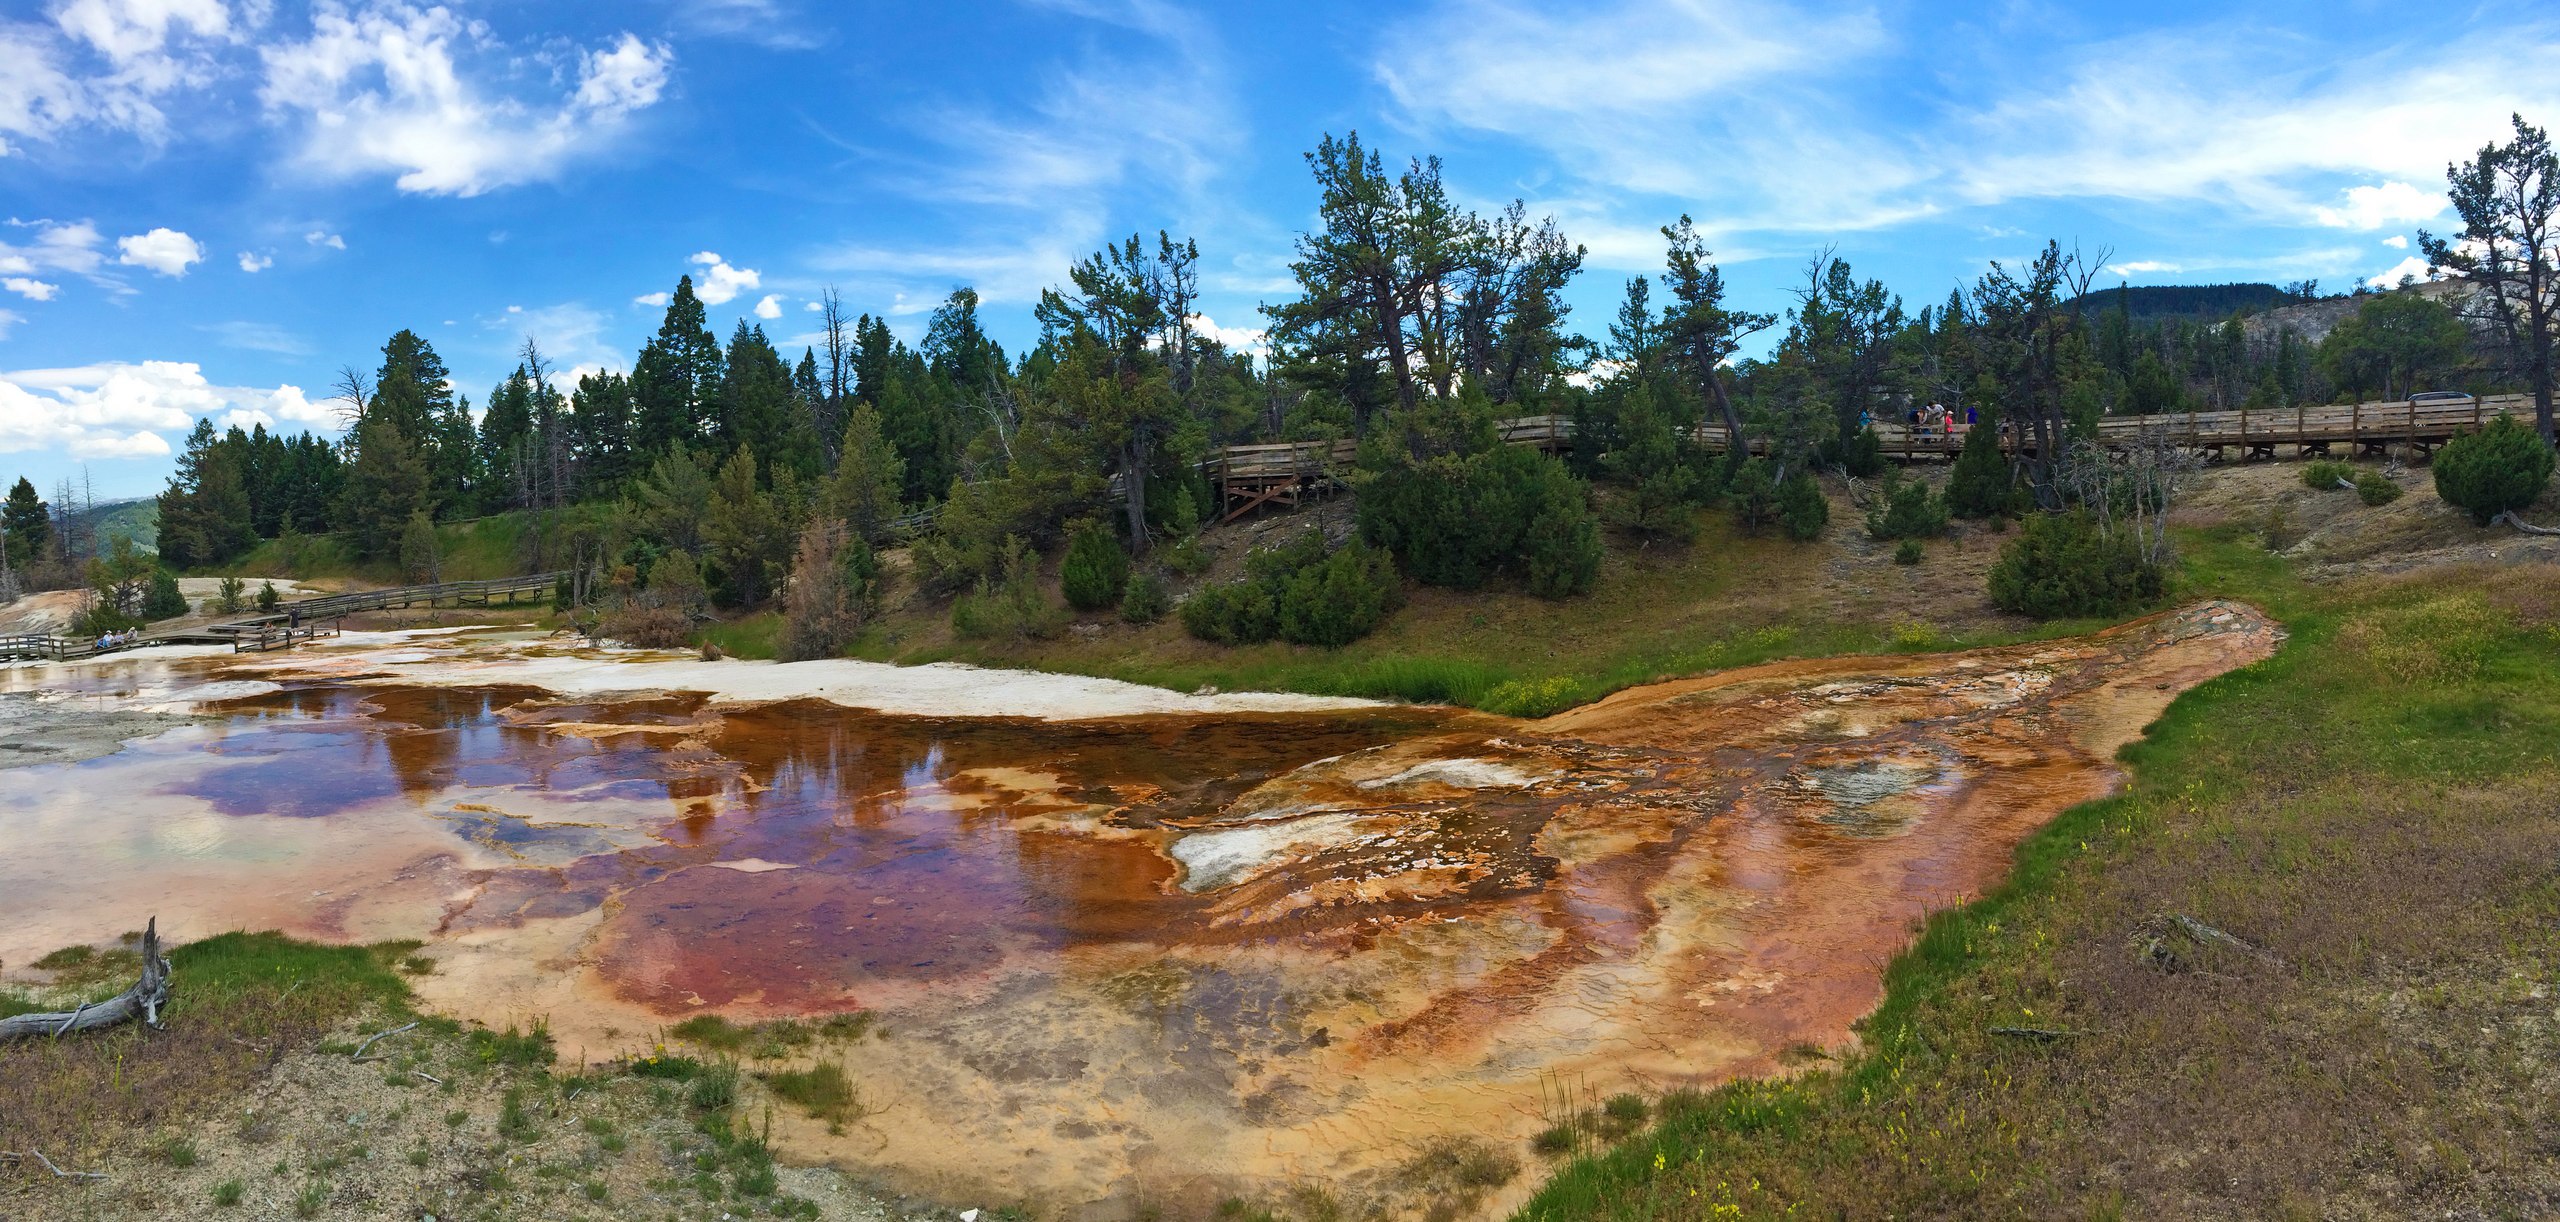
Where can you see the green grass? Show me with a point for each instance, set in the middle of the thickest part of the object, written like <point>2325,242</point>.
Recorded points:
<point>757,636</point>
<point>824,1091</point>
<point>1656,613</point>
<point>233,996</point>
<point>469,551</point>
<point>2370,804</point>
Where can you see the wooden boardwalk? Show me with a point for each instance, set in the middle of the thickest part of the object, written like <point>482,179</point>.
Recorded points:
<point>292,623</point>
<point>1252,477</point>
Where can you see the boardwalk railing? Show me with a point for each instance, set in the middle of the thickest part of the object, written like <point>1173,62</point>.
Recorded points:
<point>459,593</point>
<point>1250,477</point>
<point>294,622</point>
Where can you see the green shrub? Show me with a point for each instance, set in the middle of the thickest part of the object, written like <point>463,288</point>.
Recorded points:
<point>1095,571</point>
<point>1802,508</point>
<point>231,596</point>
<point>1908,510</point>
<point>163,601</point>
<point>268,598</point>
<point>1302,592</point>
<point>1146,600</point>
<point>1979,484</point>
<point>102,619</point>
<point>1861,453</point>
<point>1909,552</point>
<point>1341,598</point>
<point>2066,565</point>
<point>1186,556</point>
<point>1232,613</point>
<point>1533,698</point>
<point>1459,521</point>
<point>2326,474</point>
<point>1754,494</point>
<point>2375,488</point>
<point>2500,468</point>
<point>1014,610</point>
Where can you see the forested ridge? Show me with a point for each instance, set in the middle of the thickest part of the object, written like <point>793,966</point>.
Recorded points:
<point>714,469</point>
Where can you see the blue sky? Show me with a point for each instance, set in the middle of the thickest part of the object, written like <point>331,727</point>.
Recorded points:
<point>212,205</point>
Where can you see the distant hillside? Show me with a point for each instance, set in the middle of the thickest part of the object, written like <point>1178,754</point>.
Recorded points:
<point>138,520</point>
<point>2154,303</point>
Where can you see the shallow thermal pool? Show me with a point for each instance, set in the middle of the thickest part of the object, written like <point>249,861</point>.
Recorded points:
<point>1118,944</point>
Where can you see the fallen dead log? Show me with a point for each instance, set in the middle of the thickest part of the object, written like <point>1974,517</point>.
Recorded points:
<point>2034,1033</point>
<point>58,1173</point>
<point>2510,518</point>
<point>142,1001</point>
<point>368,1043</point>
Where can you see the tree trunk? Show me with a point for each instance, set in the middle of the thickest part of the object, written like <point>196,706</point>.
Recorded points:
<point>1733,437</point>
<point>143,1000</point>
<point>1133,482</point>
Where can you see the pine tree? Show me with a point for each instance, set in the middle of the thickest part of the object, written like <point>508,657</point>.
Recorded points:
<point>675,384</point>
<point>1802,509</point>
<point>28,522</point>
<point>863,492</point>
<point>1978,485</point>
<point>1662,484</point>
<point>384,485</point>
<point>757,405</point>
<point>600,423</point>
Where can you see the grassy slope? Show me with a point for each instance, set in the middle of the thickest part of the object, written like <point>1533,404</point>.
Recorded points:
<point>1728,600</point>
<point>472,551</point>
<point>2371,806</point>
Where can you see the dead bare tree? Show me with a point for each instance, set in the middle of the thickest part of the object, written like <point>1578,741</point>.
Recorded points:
<point>142,1001</point>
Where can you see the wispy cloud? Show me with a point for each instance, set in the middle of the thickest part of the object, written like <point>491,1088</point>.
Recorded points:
<point>1751,114</point>
<point>1031,187</point>
<point>429,97</point>
<point>258,337</point>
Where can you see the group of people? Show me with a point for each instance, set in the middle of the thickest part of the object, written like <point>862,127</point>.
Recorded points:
<point>1934,420</point>
<point>1939,420</point>
<point>116,640</point>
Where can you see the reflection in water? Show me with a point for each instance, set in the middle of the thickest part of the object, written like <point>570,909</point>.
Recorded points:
<point>1170,957</point>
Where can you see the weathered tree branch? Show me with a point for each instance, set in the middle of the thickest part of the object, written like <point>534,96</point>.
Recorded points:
<point>368,1042</point>
<point>58,1172</point>
<point>142,1001</point>
<point>2510,518</point>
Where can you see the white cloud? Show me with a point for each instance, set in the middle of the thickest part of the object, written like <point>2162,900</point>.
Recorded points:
<point>125,410</point>
<point>2391,203</point>
<point>29,288</point>
<point>2411,266</point>
<point>810,306</point>
<point>59,246</point>
<point>721,283</point>
<point>627,78</point>
<point>1710,103</point>
<point>148,48</point>
<point>165,251</point>
<point>258,337</point>
<point>1763,116</point>
<point>128,30</point>
<point>253,262</point>
<point>9,319</point>
<point>322,237</point>
<point>2397,241</point>
<point>1235,339</point>
<point>574,339</point>
<point>1152,102</point>
<point>770,308</point>
<point>659,298</point>
<point>2141,267</point>
<point>381,91</point>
